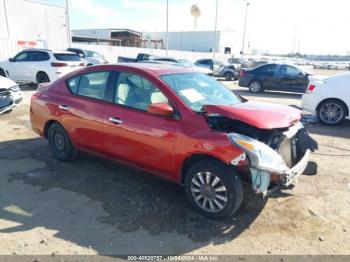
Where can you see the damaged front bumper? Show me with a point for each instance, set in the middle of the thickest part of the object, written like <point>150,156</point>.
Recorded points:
<point>9,99</point>
<point>267,160</point>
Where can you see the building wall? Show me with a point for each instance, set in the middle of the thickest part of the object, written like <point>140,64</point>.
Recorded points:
<point>33,21</point>
<point>198,41</point>
<point>95,33</point>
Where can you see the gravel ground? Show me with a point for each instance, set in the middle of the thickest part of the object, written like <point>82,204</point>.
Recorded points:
<point>91,206</point>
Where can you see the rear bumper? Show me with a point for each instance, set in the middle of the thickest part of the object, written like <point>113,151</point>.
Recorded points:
<point>243,82</point>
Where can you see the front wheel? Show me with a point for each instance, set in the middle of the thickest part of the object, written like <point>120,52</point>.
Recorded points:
<point>60,144</point>
<point>331,112</point>
<point>213,189</point>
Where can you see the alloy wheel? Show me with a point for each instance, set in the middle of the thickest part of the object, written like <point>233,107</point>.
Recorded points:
<point>208,191</point>
<point>331,113</point>
<point>255,87</point>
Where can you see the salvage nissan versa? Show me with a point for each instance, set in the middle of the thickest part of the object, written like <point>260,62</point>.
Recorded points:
<point>177,124</point>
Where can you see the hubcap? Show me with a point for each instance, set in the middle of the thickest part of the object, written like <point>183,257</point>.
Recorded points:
<point>331,113</point>
<point>255,87</point>
<point>59,141</point>
<point>209,192</point>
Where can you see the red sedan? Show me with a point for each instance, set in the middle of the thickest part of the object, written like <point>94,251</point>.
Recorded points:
<point>177,124</point>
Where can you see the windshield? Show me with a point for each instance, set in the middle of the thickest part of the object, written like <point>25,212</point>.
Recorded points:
<point>197,90</point>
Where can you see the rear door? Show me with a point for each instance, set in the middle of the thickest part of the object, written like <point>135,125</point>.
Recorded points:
<point>132,134</point>
<point>82,110</point>
<point>268,75</point>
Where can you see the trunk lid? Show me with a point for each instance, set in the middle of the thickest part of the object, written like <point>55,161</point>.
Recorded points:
<point>258,114</point>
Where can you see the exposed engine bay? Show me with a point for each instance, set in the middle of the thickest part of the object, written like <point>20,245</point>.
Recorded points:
<point>282,151</point>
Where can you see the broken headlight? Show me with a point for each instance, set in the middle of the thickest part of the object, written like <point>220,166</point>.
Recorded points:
<point>260,155</point>
<point>14,88</point>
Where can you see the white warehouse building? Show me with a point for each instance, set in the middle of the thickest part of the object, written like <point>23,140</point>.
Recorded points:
<point>200,41</point>
<point>26,23</point>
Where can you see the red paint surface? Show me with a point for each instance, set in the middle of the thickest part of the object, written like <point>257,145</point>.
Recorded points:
<point>157,144</point>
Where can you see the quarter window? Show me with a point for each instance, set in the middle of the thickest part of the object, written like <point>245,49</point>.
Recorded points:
<point>137,92</point>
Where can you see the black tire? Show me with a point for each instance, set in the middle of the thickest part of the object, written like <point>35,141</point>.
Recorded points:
<point>42,77</point>
<point>2,72</point>
<point>255,86</point>
<point>329,107</point>
<point>228,178</point>
<point>228,76</point>
<point>60,144</point>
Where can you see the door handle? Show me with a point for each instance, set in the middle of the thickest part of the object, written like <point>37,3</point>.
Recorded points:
<point>63,107</point>
<point>115,120</point>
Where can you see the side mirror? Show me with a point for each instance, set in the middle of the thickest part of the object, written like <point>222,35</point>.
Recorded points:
<point>81,55</point>
<point>160,109</point>
<point>12,60</point>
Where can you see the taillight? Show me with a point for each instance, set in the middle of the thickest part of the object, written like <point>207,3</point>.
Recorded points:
<point>242,74</point>
<point>57,64</point>
<point>311,88</point>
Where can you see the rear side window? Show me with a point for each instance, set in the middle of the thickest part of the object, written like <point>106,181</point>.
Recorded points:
<point>67,57</point>
<point>40,56</point>
<point>91,85</point>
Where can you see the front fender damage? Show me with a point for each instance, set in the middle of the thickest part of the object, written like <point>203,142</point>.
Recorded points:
<point>285,159</point>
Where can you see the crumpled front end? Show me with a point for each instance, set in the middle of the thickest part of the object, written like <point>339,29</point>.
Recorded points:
<point>277,162</point>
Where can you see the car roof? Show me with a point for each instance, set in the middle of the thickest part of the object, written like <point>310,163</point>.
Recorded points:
<point>48,50</point>
<point>151,68</point>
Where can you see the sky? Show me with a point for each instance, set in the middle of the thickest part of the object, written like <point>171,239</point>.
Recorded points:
<point>277,26</point>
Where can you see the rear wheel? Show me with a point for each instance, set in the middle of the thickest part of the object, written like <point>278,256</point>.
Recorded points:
<point>42,77</point>
<point>255,86</point>
<point>331,112</point>
<point>213,189</point>
<point>228,76</point>
<point>60,144</point>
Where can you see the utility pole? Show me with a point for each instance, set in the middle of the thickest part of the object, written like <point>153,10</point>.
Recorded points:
<point>69,36</point>
<point>7,21</point>
<point>167,27</point>
<point>215,30</point>
<point>244,29</point>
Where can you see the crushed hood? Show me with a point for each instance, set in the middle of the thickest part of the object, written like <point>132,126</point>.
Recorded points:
<point>258,114</point>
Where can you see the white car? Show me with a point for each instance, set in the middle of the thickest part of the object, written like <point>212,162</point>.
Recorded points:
<point>40,65</point>
<point>329,98</point>
<point>10,94</point>
<point>89,57</point>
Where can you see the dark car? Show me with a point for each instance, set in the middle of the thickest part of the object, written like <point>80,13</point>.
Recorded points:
<point>220,69</point>
<point>279,77</point>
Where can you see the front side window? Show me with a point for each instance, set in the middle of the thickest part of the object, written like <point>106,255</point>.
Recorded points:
<point>197,90</point>
<point>291,71</point>
<point>91,85</point>
<point>137,92</point>
<point>21,57</point>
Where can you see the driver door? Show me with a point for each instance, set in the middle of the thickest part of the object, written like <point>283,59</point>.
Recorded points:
<point>132,134</point>
<point>17,68</point>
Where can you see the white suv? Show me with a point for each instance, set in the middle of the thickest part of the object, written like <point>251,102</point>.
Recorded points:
<point>40,65</point>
